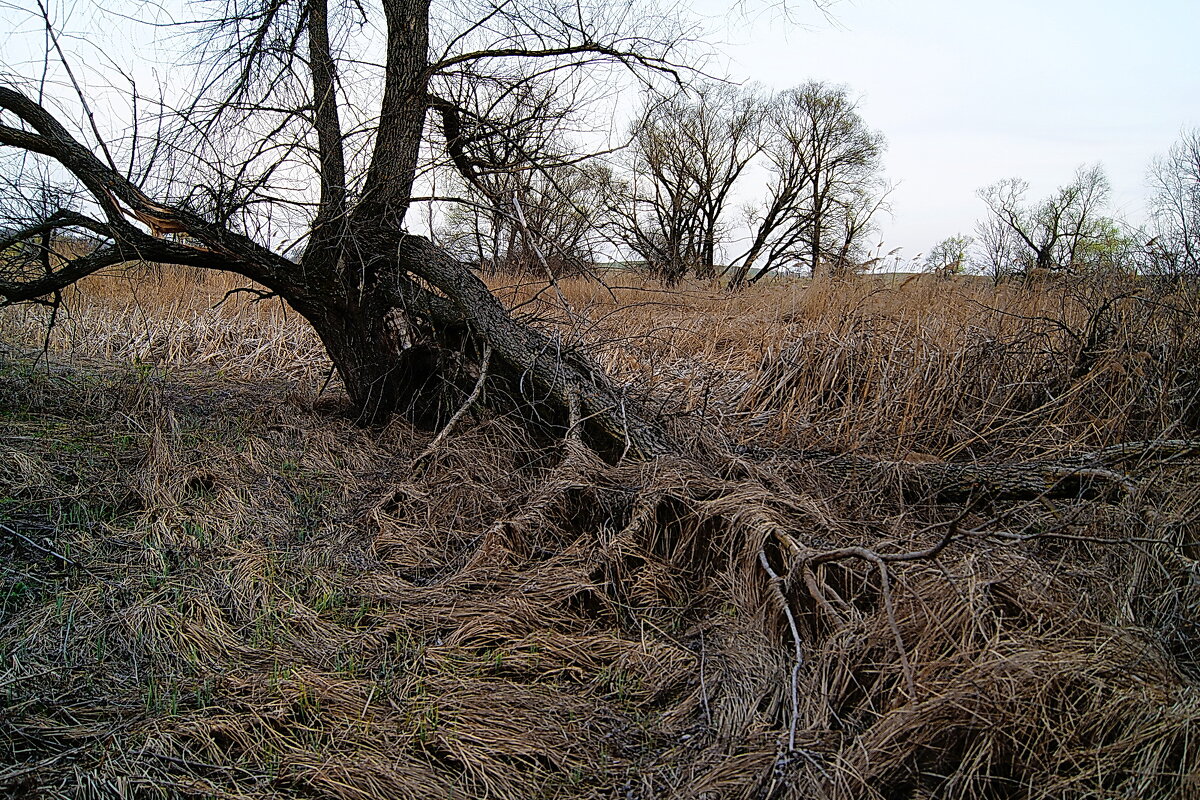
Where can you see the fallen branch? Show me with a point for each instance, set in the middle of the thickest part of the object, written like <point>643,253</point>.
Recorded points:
<point>46,550</point>
<point>885,591</point>
<point>1090,475</point>
<point>808,559</point>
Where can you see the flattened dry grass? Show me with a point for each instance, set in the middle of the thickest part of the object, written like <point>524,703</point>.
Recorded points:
<point>213,584</point>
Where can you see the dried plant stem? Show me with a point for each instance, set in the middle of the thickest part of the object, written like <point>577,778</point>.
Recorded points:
<point>798,664</point>
<point>462,411</point>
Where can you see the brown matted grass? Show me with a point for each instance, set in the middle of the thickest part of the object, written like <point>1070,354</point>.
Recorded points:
<point>215,585</point>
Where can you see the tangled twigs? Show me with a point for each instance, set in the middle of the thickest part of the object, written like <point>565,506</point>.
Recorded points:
<point>808,559</point>
<point>885,591</point>
<point>951,527</point>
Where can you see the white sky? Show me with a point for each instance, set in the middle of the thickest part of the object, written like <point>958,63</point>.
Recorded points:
<point>966,92</point>
<point>971,91</point>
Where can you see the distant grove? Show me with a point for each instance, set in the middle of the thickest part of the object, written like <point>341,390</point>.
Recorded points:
<point>722,181</point>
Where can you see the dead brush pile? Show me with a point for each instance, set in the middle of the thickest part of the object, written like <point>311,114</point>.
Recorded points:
<point>213,585</point>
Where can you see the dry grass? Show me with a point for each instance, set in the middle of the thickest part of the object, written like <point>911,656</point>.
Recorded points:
<point>949,369</point>
<point>215,586</point>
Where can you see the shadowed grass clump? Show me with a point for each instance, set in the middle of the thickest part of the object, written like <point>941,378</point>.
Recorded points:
<point>214,585</point>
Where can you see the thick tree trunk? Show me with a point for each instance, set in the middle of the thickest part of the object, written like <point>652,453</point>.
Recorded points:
<point>537,365</point>
<point>385,366</point>
<point>387,189</point>
<point>403,348</point>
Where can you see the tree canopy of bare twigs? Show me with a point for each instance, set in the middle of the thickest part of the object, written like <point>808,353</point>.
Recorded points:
<point>1175,204</point>
<point>689,152</point>
<point>1051,235</point>
<point>824,190</point>
<point>529,201</point>
<point>692,154</point>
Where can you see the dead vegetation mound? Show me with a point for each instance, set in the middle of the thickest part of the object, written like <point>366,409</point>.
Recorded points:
<point>218,588</point>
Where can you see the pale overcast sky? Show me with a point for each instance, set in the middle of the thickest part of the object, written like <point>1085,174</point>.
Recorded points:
<point>967,92</point>
<point>971,91</point>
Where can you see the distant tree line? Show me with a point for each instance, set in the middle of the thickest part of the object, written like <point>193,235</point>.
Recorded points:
<point>799,171</point>
<point>1072,232</point>
<point>719,181</point>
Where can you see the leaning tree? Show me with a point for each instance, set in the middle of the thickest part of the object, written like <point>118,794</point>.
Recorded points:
<point>303,124</point>
<point>302,113</point>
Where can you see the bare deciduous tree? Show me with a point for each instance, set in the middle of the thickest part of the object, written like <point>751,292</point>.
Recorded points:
<point>306,121</point>
<point>996,248</point>
<point>1049,235</point>
<point>689,152</point>
<point>841,158</point>
<point>1175,204</point>
<point>779,224</point>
